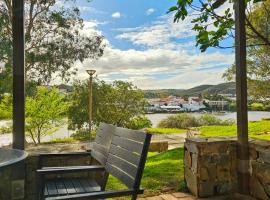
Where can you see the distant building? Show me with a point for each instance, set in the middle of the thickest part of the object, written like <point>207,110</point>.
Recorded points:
<point>218,105</point>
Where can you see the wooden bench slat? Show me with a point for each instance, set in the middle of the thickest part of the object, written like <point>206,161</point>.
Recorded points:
<point>128,144</point>
<point>95,187</point>
<point>100,148</point>
<point>51,188</point>
<point>118,173</point>
<point>125,154</point>
<point>77,186</point>
<point>86,185</point>
<point>69,186</point>
<point>60,186</point>
<point>99,157</point>
<point>125,166</point>
<point>135,135</point>
<point>45,190</point>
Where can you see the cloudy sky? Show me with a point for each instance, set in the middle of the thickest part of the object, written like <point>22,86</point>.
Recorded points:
<point>145,47</point>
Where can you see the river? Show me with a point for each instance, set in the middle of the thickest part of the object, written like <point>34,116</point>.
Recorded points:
<point>252,116</point>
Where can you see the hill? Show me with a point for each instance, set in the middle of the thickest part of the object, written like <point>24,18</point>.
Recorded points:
<point>223,88</point>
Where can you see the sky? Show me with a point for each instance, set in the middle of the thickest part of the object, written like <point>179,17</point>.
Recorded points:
<point>145,47</point>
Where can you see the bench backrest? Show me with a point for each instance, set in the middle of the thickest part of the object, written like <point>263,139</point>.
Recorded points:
<point>127,156</point>
<point>102,142</point>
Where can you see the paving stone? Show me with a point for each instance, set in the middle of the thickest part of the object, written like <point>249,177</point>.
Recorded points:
<point>154,198</point>
<point>181,195</point>
<point>168,197</point>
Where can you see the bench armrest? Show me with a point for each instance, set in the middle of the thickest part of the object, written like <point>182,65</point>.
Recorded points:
<point>65,154</point>
<point>71,169</point>
<point>99,195</point>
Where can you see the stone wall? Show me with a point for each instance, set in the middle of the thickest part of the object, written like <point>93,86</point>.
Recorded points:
<point>260,169</point>
<point>210,167</point>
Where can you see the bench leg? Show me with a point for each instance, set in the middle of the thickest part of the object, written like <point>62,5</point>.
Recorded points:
<point>134,197</point>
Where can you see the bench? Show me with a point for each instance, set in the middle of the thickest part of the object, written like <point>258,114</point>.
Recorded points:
<point>125,160</point>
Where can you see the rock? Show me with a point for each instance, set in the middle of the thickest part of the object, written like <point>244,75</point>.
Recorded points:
<point>257,189</point>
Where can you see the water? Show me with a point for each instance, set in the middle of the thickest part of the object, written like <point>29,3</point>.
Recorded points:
<point>252,116</point>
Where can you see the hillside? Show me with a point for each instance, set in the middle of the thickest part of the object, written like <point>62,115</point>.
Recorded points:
<point>223,88</point>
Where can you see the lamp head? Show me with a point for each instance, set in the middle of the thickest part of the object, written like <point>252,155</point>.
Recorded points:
<point>91,72</point>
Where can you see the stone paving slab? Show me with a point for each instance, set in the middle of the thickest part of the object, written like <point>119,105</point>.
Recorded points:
<point>182,196</point>
<point>187,196</point>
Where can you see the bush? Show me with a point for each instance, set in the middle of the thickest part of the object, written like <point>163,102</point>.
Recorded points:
<point>186,121</point>
<point>209,120</point>
<point>5,130</point>
<point>139,123</point>
<point>179,121</point>
<point>257,107</point>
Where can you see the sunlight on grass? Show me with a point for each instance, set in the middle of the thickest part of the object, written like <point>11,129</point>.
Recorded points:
<point>259,130</point>
<point>165,130</point>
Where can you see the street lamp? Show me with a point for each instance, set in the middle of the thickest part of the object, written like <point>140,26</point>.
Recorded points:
<point>91,72</point>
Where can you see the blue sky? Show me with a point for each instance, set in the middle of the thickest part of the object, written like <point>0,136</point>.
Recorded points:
<point>145,47</point>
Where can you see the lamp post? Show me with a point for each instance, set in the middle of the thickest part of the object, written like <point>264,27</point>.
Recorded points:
<point>91,72</point>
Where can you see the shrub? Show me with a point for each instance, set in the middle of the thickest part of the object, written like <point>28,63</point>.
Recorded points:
<point>257,107</point>
<point>139,123</point>
<point>209,120</point>
<point>5,130</point>
<point>179,121</point>
<point>186,121</point>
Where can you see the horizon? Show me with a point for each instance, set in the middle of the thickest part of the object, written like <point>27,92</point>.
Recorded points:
<point>146,48</point>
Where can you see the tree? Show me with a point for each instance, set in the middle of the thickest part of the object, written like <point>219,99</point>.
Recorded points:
<point>117,103</point>
<point>43,112</point>
<point>213,21</point>
<point>53,39</point>
<point>6,107</point>
<point>258,59</point>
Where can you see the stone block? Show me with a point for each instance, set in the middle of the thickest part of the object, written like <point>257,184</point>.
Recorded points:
<point>257,189</point>
<point>194,162</point>
<point>159,146</point>
<point>191,180</point>
<point>188,159</point>
<point>206,189</point>
<point>223,173</point>
<point>191,147</point>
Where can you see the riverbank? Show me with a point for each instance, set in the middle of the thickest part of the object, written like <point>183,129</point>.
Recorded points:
<point>252,116</point>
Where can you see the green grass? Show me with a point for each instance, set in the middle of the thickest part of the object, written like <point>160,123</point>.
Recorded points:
<point>259,130</point>
<point>163,171</point>
<point>165,130</point>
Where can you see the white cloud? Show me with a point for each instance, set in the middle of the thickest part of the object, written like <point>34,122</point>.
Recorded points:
<point>116,15</point>
<point>159,68</point>
<point>161,33</point>
<point>150,11</point>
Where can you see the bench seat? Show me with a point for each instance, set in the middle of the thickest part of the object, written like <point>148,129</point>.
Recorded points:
<point>70,186</point>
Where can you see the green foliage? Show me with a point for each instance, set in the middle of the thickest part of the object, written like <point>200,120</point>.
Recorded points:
<point>43,112</point>
<point>165,130</point>
<point>184,121</point>
<point>117,103</point>
<point>6,107</point>
<point>259,130</point>
<point>139,122</point>
<point>257,107</point>
<point>181,121</point>
<point>210,120</point>
<point>5,130</point>
<point>54,40</point>
<point>213,21</point>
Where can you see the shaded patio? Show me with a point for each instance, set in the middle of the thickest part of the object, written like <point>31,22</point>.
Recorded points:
<point>22,175</point>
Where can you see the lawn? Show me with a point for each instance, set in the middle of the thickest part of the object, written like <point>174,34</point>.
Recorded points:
<point>163,172</point>
<point>165,130</point>
<point>259,130</point>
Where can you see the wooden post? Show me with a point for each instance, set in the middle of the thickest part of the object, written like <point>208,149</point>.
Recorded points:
<point>241,92</point>
<point>18,74</point>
